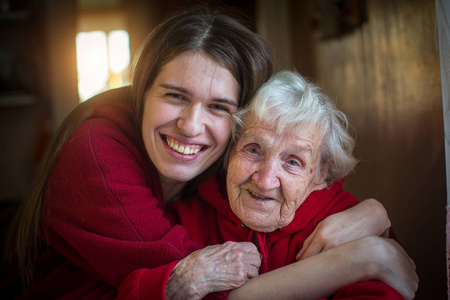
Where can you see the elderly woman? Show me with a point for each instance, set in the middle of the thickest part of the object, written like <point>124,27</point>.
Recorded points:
<point>284,176</point>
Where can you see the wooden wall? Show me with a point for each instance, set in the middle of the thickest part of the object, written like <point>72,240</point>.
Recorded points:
<point>385,75</point>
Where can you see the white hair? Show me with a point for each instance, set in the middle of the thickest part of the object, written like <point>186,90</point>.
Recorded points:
<point>289,101</point>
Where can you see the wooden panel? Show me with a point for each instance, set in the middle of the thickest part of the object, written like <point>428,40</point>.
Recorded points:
<point>386,77</point>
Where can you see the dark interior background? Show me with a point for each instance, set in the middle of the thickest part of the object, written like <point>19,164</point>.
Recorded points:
<point>378,58</point>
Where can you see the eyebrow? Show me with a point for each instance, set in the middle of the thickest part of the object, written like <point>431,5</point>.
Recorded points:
<point>185,91</point>
<point>303,147</point>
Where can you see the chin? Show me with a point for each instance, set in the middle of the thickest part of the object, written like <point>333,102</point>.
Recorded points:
<point>180,176</point>
<point>262,226</point>
<point>260,220</point>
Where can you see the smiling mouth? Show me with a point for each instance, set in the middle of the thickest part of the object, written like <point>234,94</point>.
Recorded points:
<point>182,148</point>
<point>258,196</point>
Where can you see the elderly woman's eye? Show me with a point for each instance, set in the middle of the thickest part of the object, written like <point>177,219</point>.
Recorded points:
<point>293,162</point>
<point>252,150</point>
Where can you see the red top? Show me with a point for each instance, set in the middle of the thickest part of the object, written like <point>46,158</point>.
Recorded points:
<point>216,223</point>
<point>104,213</point>
<point>105,217</point>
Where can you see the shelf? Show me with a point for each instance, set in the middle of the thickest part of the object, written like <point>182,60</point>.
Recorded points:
<point>17,15</point>
<point>16,99</point>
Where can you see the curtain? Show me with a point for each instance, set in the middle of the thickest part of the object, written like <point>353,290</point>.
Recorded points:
<point>443,24</point>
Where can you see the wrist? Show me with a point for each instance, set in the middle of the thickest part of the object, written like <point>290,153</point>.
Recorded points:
<point>378,211</point>
<point>181,283</point>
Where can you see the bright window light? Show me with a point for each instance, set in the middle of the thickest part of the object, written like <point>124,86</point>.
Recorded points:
<point>119,50</point>
<point>102,61</point>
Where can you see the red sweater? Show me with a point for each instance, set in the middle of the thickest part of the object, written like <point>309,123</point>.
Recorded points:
<point>104,214</point>
<point>216,223</point>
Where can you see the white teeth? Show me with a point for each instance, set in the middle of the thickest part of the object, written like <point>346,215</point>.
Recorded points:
<point>181,149</point>
<point>256,195</point>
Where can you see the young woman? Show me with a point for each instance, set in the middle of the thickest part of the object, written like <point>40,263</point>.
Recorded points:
<point>97,208</point>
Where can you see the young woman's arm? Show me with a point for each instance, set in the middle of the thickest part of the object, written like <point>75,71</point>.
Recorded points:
<point>371,267</point>
<point>103,208</point>
<point>368,218</point>
<point>212,269</point>
<point>321,275</point>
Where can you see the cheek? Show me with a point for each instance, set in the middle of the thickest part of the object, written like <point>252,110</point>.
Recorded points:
<point>234,199</point>
<point>221,130</point>
<point>296,194</point>
<point>239,171</point>
<point>149,118</point>
<point>147,124</point>
<point>236,176</point>
<point>233,179</point>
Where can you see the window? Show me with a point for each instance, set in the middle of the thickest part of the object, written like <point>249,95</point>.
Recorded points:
<point>103,53</point>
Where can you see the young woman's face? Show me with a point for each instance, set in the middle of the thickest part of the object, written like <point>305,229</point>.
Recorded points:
<point>270,175</point>
<point>187,120</point>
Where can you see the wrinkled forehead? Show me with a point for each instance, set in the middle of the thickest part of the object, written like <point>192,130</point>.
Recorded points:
<point>282,128</point>
<point>298,137</point>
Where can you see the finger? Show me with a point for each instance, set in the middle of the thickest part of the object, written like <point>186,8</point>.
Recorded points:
<point>306,244</point>
<point>410,262</point>
<point>412,277</point>
<point>252,272</point>
<point>314,246</point>
<point>313,249</point>
<point>248,247</point>
<point>303,250</point>
<point>254,260</point>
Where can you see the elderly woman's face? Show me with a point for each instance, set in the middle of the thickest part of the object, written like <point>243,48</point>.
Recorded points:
<point>270,175</point>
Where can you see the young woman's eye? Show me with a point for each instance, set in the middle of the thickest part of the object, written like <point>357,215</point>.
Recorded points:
<point>219,107</point>
<point>175,96</point>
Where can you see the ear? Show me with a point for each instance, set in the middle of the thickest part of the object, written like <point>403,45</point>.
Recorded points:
<point>323,173</point>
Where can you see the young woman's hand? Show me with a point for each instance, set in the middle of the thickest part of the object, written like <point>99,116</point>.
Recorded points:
<point>381,259</point>
<point>368,218</point>
<point>213,269</point>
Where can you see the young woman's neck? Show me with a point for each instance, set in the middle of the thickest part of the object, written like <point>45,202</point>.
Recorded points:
<point>171,189</point>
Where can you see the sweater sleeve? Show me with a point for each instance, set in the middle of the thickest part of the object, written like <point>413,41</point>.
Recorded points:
<point>146,283</point>
<point>368,290</point>
<point>104,209</point>
<point>151,284</point>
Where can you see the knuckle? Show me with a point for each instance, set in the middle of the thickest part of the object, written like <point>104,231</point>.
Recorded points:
<point>241,277</point>
<point>229,245</point>
<point>321,236</point>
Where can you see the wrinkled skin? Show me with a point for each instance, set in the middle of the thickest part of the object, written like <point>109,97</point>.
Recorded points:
<point>271,174</point>
<point>213,269</point>
<point>269,177</point>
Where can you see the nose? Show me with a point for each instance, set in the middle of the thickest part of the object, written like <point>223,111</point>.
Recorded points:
<point>191,121</point>
<point>266,175</point>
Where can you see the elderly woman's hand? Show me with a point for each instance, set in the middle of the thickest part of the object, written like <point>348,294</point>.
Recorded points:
<point>213,269</point>
<point>368,218</point>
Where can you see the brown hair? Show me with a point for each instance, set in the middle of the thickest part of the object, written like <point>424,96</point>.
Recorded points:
<point>222,34</point>
<point>226,39</point>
